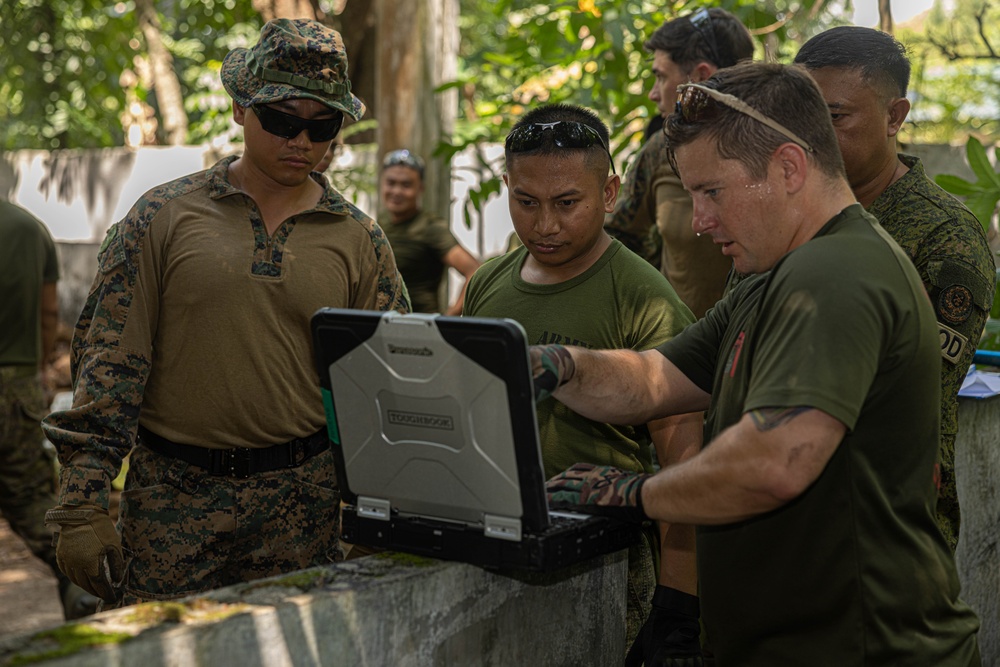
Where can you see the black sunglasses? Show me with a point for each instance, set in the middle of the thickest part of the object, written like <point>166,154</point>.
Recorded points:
<point>564,134</point>
<point>288,126</point>
<point>404,158</point>
<point>702,22</point>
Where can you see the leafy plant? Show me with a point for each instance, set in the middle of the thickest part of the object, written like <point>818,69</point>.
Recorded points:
<point>70,68</point>
<point>516,54</point>
<point>982,195</point>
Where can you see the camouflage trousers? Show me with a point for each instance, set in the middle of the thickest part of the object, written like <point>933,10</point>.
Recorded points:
<point>186,531</point>
<point>27,470</point>
<point>641,583</point>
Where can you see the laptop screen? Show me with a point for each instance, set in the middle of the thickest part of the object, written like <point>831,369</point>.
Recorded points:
<point>431,415</point>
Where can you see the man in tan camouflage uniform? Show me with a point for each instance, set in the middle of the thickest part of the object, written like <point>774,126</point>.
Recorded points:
<point>29,315</point>
<point>195,338</point>
<point>653,215</point>
<point>863,74</point>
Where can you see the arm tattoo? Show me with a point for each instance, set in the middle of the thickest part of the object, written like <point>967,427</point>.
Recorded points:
<point>768,419</point>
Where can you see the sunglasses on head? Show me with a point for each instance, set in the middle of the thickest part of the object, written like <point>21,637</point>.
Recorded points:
<point>702,22</point>
<point>288,126</point>
<point>697,103</point>
<point>403,158</point>
<point>564,134</point>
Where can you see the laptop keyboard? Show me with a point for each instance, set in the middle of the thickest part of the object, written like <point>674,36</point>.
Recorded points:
<point>559,520</point>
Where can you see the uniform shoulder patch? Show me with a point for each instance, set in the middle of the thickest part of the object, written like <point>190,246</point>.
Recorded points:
<point>955,303</point>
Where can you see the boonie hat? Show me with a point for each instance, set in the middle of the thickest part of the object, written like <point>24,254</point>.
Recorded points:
<point>294,58</point>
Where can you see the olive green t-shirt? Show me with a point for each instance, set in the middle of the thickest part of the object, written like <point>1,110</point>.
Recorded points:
<point>28,258</point>
<point>420,245</point>
<point>854,571</point>
<point>621,302</point>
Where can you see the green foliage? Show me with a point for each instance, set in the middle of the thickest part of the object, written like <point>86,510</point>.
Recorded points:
<point>953,84</point>
<point>59,66</point>
<point>982,195</point>
<point>199,33</point>
<point>360,180</point>
<point>518,53</point>
<point>62,64</point>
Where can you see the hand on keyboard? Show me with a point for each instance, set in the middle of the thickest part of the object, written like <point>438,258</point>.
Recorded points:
<point>598,490</point>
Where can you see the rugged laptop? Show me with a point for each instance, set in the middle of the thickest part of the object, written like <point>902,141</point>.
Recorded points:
<point>432,421</point>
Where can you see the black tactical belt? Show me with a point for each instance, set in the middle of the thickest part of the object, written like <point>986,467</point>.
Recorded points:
<point>240,462</point>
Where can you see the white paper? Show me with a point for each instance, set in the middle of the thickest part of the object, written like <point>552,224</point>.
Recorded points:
<point>980,384</point>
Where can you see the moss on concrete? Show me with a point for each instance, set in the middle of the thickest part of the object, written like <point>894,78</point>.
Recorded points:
<point>305,581</point>
<point>199,609</point>
<point>406,559</point>
<point>67,639</point>
<point>151,613</point>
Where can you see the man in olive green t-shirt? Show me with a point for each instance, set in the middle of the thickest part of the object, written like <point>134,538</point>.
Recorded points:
<point>29,316</point>
<point>814,493</point>
<point>422,242</point>
<point>571,282</point>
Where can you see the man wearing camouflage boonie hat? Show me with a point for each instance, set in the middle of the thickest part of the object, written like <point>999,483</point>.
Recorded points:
<point>194,345</point>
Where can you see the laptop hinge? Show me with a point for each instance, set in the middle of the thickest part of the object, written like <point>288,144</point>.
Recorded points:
<point>503,527</point>
<point>374,508</point>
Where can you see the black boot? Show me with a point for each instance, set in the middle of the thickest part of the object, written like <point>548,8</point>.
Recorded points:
<point>76,602</point>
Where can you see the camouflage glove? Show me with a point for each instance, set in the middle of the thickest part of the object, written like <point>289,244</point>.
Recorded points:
<point>551,367</point>
<point>89,550</point>
<point>670,636</point>
<point>598,490</point>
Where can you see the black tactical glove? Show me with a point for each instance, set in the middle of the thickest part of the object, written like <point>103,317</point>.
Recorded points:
<point>671,634</point>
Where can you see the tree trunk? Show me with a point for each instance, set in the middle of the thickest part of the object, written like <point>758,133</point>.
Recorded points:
<point>417,52</point>
<point>356,24</point>
<point>168,88</point>
<point>885,16</point>
<point>288,9</point>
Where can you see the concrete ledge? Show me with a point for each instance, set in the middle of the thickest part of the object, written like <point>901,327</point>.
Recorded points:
<point>977,475</point>
<point>387,609</point>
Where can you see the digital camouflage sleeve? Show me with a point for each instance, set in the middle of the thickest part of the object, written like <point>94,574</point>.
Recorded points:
<point>948,246</point>
<point>111,350</point>
<point>633,222</point>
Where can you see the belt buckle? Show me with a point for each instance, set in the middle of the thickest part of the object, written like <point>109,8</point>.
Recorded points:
<point>232,462</point>
<point>239,462</point>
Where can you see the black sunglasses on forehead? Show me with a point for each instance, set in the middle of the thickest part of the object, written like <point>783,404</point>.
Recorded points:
<point>564,134</point>
<point>702,22</point>
<point>404,158</point>
<point>287,126</point>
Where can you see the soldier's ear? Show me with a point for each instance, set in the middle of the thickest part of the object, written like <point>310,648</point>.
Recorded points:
<point>239,113</point>
<point>702,71</point>
<point>899,107</point>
